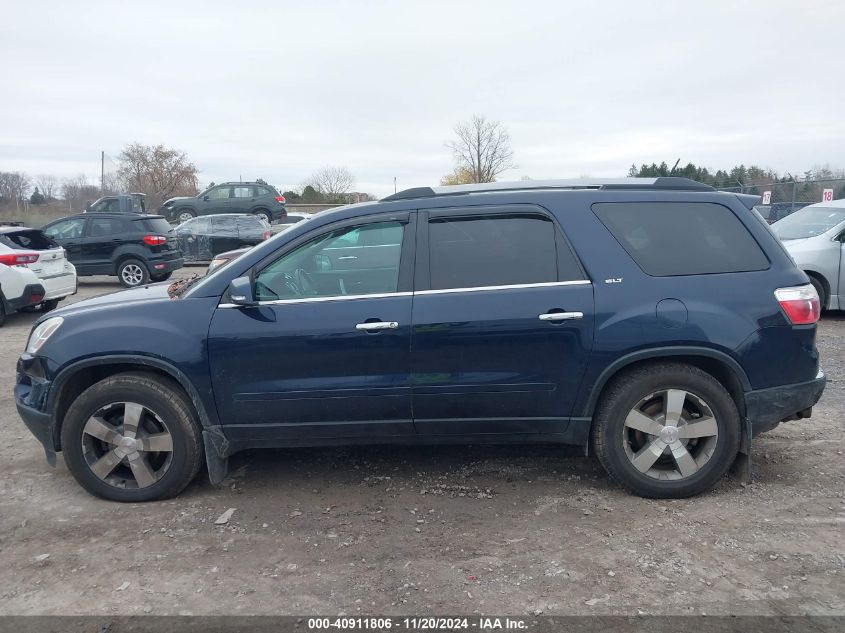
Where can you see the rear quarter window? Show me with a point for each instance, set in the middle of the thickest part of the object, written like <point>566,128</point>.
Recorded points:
<point>156,225</point>
<point>682,238</point>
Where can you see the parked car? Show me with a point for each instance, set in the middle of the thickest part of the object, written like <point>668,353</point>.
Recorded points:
<point>656,320</point>
<point>775,211</point>
<point>221,259</point>
<point>815,239</point>
<point>201,239</point>
<point>136,248</point>
<point>34,271</point>
<point>122,203</point>
<point>257,198</point>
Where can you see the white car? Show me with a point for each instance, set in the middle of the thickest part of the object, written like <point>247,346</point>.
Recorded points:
<point>34,271</point>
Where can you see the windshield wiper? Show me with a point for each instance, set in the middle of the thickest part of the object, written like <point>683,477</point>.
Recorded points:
<point>178,288</point>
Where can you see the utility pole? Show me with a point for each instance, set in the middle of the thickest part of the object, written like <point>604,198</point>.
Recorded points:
<point>102,172</point>
<point>394,184</point>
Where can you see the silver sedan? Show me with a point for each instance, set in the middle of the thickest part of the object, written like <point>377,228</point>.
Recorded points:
<point>815,238</point>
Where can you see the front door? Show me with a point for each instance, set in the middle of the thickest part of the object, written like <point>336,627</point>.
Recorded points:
<point>102,236</point>
<point>216,200</point>
<point>69,234</point>
<point>502,323</point>
<point>326,353</point>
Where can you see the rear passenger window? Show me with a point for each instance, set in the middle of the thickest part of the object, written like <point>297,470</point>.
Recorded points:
<point>682,238</point>
<point>105,226</point>
<point>502,250</point>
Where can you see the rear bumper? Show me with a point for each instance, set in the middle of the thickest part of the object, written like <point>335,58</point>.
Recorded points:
<point>32,294</point>
<point>160,266</point>
<point>766,408</point>
<point>59,286</point>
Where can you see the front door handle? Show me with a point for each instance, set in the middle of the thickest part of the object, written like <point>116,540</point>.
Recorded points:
<point>342,257</point>
<point>561,316</point>
<point>375,326</point>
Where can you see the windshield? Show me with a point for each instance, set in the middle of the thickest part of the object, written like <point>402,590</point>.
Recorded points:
<point>808,222</point>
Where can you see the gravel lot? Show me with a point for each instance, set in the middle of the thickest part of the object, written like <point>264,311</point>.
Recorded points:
<point>430,530</point>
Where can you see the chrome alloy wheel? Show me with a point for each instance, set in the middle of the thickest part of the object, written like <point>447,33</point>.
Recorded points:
<point>127,445</point>
<point>132,274</point>
<point>184,216</point>
<point>670,435</point>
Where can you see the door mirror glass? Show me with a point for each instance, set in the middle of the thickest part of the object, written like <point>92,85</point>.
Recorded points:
<point>205,198</point>
<point>240,292</point>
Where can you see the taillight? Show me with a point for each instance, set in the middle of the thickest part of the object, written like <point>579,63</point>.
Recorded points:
<point>280,199</point>
<point>800,303</point>
<point>154,240</point>
<point>266,235</point>
<point>18,259</point>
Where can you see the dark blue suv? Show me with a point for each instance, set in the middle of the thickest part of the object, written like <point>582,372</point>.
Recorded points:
<point>656,322</point>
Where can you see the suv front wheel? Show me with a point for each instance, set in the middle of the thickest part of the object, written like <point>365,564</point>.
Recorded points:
<point>132,437</point>
<point>666,430</point>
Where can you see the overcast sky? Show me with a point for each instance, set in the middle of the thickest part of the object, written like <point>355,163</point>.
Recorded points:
<point>278,89</point>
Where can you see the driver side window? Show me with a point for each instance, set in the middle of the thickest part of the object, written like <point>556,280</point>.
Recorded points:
<point>338,263</point>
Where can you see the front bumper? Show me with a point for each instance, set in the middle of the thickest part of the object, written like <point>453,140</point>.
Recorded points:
<point>766,408</point>
<point>31,393</point>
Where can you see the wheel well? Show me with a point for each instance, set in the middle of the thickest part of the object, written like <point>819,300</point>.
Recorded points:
<point>823,282</point>
<point>123,257</point>
<point>719,370</point>
<point>88,376</point>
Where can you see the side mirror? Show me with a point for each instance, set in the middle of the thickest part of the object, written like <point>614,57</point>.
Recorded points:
<point>205,198</point>
<point>240,292</point>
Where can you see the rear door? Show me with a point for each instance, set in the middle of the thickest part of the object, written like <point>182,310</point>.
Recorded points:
<point>224,235</point>
<point>103,235</point>
<point>502,323</point>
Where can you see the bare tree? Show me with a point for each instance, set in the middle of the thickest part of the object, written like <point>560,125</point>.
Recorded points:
<point>331,182</point>
<point>158,171</point>
<point>49,185</point>
<point>14,185</point>
<point>482,148</point>
<point>77,192</point>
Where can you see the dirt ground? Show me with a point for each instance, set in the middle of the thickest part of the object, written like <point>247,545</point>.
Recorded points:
<point>516,530</point>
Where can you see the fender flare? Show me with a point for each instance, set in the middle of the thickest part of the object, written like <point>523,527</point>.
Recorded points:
<point>660,353</point>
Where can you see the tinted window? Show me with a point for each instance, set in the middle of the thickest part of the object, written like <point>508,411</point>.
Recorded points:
<point>262,191</point>
<point>105,226</point>
<point>107,205</point>
<point>67,229</point>
<point>682,238</point>
<point>492,251</point>
<point>243,191</point>
<point>252,223</point>
<point>157,225</point>
<point>197,225</point>
<point>218,193</point>
<point>28,239</point>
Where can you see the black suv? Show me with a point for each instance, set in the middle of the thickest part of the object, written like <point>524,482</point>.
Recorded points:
<point>201,239</point>
<point>258,198</point>
<point>136,248</point>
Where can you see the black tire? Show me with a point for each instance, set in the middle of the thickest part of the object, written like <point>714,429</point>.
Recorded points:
<point>613,439</point>
<point>159,395</point>
<point>2,309</point>
<point>268,217</point>
<point>820,290</point>
<point>183,215</point>
<point>132,273</point>
<point>163,277</point>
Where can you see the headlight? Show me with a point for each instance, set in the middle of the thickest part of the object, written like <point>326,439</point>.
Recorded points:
<point>41,333</point>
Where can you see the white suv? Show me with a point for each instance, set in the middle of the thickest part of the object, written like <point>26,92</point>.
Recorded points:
<point>34,271</point>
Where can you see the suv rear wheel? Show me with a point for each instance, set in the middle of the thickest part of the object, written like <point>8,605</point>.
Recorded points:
<point>132,273</point>
<point>132,437</point>
<point>667,430</point>
<point>263,214</point>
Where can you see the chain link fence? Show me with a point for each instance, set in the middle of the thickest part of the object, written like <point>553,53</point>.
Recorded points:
<point>779,199</point>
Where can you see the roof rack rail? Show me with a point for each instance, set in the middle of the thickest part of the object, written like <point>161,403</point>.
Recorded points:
<point>663,183</point>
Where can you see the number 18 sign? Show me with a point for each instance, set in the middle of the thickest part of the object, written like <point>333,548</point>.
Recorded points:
<point>827,195</point>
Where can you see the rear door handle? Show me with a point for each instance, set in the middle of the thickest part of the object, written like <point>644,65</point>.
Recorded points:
<point>374,326</point>
<point>561,316</point>
<point>347,257</point>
